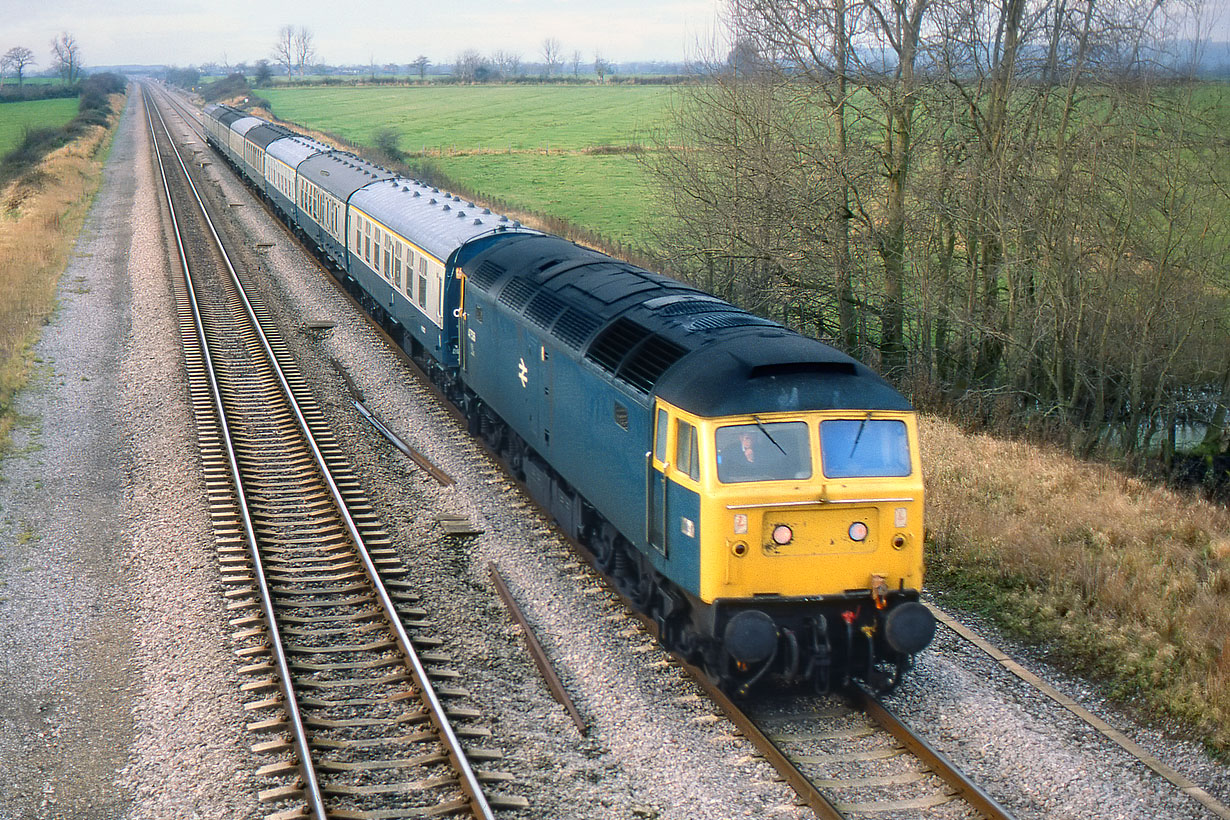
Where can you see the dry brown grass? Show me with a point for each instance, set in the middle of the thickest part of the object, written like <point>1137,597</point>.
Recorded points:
<point>1123,579</point>
<point>41,213</point>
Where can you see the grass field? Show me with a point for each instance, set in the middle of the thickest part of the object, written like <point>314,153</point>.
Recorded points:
<point>530,146</point>
<point>16,117</point>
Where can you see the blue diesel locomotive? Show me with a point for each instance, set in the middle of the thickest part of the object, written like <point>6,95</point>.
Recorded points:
<point>755,492</point>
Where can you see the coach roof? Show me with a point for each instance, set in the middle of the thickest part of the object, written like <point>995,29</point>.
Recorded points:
<point>435,221</point>
<point>294,150</point>
<point>341,174</point>
<point>266,133</point>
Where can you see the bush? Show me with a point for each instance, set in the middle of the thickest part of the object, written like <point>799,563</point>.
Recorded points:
<point>40,91</point>
<point>233,85</point>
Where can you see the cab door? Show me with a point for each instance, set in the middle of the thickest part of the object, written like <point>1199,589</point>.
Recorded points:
<point>658,466</point>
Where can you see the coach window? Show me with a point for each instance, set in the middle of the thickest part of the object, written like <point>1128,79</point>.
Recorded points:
<point>397,265</point>
<point>422,282</point>
<point>358,235</point>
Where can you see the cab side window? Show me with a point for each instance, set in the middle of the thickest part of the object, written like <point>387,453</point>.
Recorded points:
<point>659,442</point>
<point>686,457</point>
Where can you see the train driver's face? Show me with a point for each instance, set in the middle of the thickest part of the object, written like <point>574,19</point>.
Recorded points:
<point>749,452</point>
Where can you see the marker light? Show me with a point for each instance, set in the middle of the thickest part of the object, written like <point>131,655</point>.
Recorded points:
<point>782,535</point>
<point>858,531</point>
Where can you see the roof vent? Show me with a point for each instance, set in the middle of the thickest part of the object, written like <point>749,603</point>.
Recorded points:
<point>478,222</point>
<point>418,193</point>
<point>433,201</point>
<point>461,214</point>
<point>486,210</point>
<point>503,219</point>
<point>405,189</point>
<point>447,208</point>
<point>471,204</point>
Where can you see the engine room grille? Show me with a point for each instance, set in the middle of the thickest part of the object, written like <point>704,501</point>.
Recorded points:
<point>517,292</point>
<point>713,321</point>
<point>690,306</point>
<point>612,344</point>
<point>574,327</point>
<point>486,274</point>
<point>544,307</point>
<point>649,362</point>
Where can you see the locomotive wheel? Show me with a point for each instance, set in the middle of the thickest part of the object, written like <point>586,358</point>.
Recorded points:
<point>605,548</point>
<point>641,584</point>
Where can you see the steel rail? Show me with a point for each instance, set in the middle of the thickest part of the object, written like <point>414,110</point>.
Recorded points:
<point>312,788</point>
<point>968,790</point>
<point>536,651</point>
<point>453,748</point>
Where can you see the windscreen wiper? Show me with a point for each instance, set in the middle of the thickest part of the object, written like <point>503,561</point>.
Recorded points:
<point>859,434</point>
<point>765,430</point>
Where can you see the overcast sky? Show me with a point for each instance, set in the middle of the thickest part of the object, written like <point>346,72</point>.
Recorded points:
<point>113,32</point>
<point>176,32</point>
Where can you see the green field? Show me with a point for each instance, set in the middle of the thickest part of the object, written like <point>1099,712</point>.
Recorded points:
<point>526,145</point>
<point>16,117</point>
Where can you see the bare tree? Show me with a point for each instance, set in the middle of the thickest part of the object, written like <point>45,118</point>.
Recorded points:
<point>471,66</point>
<point>601,66</point>
<point>284,49</point>
<point>16,59</point>
<point>66,56</point>
<point>1031,223</point>
<point>552,54</point>
<point>576,63</point>
<point>304,49</point>
<point>508,63</point>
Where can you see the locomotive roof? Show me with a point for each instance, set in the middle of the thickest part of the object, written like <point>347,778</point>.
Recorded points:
<point>436,221</point>
<point>341,174</point>
<point>661,337</point>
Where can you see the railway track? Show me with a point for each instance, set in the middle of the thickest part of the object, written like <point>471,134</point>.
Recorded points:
<point>853,758</point>
<point>354,706</point>
<point>829,768</point>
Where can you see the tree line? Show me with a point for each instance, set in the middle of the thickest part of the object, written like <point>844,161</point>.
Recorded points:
<point>65,60</point>
<point>1020,207</point>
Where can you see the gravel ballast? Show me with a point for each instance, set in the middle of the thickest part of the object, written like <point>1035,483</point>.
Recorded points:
<point>118,676</point>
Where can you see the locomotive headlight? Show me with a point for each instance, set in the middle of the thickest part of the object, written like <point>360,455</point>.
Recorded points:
<point>858,531</point>
<point>782,535</point>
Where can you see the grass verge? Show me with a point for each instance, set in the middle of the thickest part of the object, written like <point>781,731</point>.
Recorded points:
<point>41,213</point>
<point>1121,580</point>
